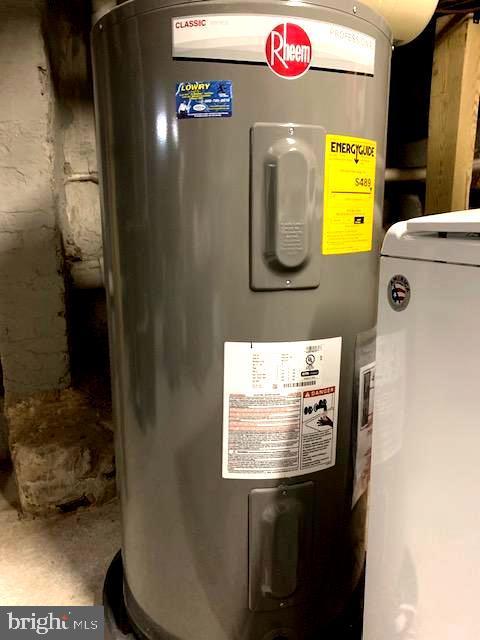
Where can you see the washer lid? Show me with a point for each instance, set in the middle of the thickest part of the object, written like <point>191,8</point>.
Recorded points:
<point>447,237</point>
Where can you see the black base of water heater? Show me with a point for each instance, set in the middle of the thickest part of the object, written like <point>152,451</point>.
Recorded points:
<point>118,626</point>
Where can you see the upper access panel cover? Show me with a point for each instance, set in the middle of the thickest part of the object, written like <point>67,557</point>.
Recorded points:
<point>446,237</point>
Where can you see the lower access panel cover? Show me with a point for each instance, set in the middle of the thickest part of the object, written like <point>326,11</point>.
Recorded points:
<point>280,535</point>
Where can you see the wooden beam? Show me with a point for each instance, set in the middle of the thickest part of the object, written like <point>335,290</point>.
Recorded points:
<point>453,115</point>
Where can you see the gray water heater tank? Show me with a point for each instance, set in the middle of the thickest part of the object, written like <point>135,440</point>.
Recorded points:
<point>242,148</point>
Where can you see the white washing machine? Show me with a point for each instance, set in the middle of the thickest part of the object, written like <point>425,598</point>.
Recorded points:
<point>423,560</point>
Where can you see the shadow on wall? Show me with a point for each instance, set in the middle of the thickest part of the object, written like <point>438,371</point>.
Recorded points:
<point>60,438</point>
<point>8,485</point>
<point>33,341</point>
<point>4,450</point>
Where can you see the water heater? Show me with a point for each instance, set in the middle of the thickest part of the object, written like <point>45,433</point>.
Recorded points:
<point>242,149</point>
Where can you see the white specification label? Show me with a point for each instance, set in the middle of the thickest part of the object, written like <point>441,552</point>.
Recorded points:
<point>280,407</point>
<point>366,389</point>
<point>243,38</point>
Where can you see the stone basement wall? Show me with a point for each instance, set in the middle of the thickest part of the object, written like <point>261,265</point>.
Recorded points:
<point>60,441</point>
<point>62,447</point>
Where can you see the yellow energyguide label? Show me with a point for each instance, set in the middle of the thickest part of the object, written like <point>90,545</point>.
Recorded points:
<point>349,194</point>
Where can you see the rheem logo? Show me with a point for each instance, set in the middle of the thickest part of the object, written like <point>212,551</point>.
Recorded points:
<point>288,50</point>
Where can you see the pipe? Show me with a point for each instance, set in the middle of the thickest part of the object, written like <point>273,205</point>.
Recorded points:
<point>100,8</point>
<point>406,175</point>
<point>87,274</point>
<point>407,18</point>
<point>417,175</point>
<point>82,177</point>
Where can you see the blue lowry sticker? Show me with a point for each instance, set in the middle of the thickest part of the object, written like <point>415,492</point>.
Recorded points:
<point>204,99</point>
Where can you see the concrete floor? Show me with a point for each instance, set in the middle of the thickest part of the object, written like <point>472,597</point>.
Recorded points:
<point>59,560</point>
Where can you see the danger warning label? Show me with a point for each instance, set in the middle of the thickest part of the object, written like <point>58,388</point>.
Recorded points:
<point>349,194</point>
<point>318,418</point>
